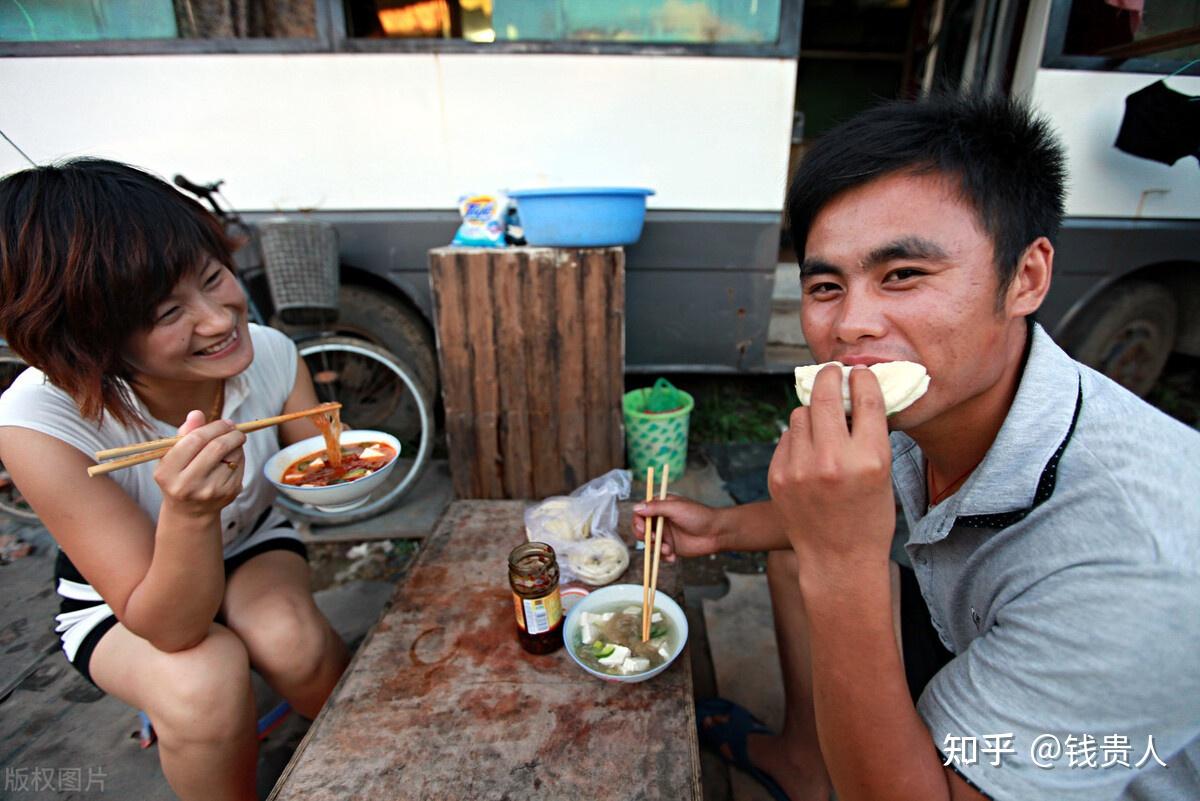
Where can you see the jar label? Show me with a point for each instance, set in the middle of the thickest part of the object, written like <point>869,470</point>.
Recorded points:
<point>538,615</point>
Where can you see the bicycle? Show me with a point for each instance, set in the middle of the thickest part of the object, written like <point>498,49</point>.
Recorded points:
<point>376,388</point>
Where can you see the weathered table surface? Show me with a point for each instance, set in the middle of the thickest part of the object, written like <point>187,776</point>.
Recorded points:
<point>441,702</point>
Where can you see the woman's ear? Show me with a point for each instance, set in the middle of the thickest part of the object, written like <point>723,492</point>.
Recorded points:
<point>1032,279</point>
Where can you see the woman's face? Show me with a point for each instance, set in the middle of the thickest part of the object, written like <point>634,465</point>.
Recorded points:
<point>200,331</point>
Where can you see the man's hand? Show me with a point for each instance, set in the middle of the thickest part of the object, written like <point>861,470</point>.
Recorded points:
<point>689,528</point>
<point>830,483</point>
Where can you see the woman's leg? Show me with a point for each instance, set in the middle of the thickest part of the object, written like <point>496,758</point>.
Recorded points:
<point>269,606</point>
<point>200,702</point>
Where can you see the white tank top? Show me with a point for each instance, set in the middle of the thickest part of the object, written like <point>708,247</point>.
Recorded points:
<point>259,391</point>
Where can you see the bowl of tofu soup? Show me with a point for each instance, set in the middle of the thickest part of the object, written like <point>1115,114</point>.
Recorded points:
<point>603,634</point>
<point>307,472</point>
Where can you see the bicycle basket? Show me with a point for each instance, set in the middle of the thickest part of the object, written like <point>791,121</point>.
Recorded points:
<point>301,261</point>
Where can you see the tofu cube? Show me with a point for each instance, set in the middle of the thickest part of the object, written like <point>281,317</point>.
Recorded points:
<point>616,658</point>
<point>635,664</point>
<point>656,617</point>
<point>587,633</point>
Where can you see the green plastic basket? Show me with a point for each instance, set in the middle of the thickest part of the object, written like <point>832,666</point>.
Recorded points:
<point>657,438</point>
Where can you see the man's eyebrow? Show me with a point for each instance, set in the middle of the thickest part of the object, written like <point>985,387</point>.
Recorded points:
<point>909,247</point>
<point>905,248</point>
<point>811,267</point>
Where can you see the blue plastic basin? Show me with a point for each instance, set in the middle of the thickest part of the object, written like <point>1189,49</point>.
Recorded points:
<point>579,217</point>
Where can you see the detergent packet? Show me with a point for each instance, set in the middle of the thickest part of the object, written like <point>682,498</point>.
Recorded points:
<point>484,217</point>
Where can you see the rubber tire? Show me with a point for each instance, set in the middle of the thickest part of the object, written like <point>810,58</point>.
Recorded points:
<point>299,511</point>
<point>1127,333</point>
<point>373,315</point>
<point>370,315</point>
<point>20,511</point>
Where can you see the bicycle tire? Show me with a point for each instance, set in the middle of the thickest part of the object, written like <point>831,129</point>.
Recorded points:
<point>11,501</point>
<point>365,378</point>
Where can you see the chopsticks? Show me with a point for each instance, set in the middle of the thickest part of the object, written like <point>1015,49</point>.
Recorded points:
<point>157,448</point>
<point>646,554</point>
<point>650,577</point>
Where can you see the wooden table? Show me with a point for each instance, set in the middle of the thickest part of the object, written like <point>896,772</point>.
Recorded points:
<point>441,702</point>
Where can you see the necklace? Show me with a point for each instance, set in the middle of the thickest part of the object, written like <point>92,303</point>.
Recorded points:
<point>219,404</point>
<point>936,497</point>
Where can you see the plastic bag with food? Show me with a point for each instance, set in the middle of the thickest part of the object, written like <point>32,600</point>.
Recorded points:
<point>582,529</point>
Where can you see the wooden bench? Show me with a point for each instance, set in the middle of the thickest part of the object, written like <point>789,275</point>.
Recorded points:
<point>441,702</point>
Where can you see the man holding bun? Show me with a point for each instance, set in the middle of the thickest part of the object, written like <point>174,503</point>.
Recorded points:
<point>1054,588</point>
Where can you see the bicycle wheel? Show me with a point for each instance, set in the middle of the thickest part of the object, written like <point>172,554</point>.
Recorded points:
<point>371,384</point>
<point>11,500</point>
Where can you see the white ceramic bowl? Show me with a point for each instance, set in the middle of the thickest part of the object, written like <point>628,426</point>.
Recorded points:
<point>338,497</point>
<point>630,594</point>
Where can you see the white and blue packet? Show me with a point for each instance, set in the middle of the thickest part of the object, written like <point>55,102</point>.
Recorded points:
<point>484,218</point>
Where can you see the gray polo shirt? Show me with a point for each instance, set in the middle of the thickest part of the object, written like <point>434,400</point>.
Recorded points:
<point>1065,577</point>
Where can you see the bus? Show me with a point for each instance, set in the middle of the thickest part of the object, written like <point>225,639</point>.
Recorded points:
<point>1126,288</point>
<point>378,115</point>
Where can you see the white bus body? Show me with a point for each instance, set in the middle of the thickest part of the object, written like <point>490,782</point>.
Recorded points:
<point>384,142</point>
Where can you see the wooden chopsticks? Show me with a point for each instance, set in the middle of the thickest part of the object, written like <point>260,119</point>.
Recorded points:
<point>157,448</point>
<point>650,572</point>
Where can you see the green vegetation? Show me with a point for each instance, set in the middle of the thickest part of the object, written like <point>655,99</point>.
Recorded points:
<point>743,409</point>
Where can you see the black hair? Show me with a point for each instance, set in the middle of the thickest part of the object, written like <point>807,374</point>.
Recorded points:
<point>88,248</point>
<point>1008,163</point>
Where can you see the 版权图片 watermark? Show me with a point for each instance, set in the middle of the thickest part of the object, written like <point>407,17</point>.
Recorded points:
<point>55,780</point>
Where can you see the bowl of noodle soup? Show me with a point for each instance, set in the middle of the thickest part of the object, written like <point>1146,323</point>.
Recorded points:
<point>371,456</point>
<point>600,642</point>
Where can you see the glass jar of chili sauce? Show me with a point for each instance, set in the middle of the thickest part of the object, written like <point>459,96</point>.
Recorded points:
<point>533,575</point>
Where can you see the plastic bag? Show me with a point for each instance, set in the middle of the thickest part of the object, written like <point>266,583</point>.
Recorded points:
<point>582,529</point>
<point>484,219</point>
<point>664,397</point>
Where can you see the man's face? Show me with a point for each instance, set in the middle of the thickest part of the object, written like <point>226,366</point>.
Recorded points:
<point>900,269</point>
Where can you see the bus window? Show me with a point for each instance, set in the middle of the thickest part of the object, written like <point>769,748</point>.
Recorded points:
<point>629,21</point>
<point>1102,27</point>
<point>73,21</point>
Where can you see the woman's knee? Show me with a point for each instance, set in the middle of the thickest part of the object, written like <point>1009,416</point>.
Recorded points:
<point>286,635</point>
<point>203,694</point>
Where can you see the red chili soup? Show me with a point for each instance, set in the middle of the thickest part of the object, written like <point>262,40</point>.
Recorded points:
<point>359,460</point>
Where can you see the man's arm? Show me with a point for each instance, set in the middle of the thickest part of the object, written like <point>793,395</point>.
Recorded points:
<point>693,529</point>
<point>833,492</point>
<point>875,744</point>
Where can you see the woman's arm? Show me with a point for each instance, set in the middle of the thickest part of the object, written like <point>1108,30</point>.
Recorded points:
<point>164,582</point>
<point>303,396</point>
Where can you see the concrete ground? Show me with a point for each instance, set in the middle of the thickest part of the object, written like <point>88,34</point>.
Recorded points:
<point>58,733</point>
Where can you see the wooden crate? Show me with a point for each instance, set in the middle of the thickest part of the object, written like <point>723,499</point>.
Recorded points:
<point>531,343</point>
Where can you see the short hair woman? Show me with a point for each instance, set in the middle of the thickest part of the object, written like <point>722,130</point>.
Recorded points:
<point>176,577</point>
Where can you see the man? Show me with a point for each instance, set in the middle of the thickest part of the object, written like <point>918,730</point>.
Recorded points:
<point>1054,518</point>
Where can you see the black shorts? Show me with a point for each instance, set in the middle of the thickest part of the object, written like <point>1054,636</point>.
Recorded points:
<point>924,654</point>
<point>64,569</point>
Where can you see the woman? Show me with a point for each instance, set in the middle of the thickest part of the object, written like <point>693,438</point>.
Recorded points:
<point>176,576</point>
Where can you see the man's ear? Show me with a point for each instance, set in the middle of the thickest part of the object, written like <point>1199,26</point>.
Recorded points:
<point>1032,279</point>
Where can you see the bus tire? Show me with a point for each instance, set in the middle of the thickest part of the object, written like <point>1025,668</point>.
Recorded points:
<point>371,315</point>
<point>1127,333</point>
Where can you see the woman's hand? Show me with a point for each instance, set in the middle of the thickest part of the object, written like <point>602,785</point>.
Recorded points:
<point>689,528</point>
<point>202,473</point>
